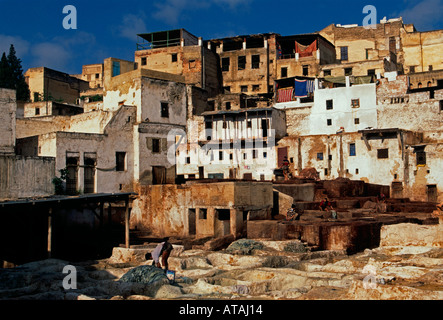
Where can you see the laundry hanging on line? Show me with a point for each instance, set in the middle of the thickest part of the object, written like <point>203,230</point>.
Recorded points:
<point>303,88</point>
<point>305,51</point>
<point>286,95</point>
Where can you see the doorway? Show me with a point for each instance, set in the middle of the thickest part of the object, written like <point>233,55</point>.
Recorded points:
<point>158,175</point>
<point>89,173</point>
<point>201,173</point>
<point>72,164</point>
<point>432,193</point>
<point>191,222</point>
<point>223,222</point>
<point>282,154</point>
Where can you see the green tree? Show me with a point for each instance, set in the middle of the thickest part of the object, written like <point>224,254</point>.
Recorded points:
<point>11,75</point>
<point>15,65</point>
<point>5,73</point>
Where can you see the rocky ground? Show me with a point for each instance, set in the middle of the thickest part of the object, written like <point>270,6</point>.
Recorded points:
<point>247,269</point>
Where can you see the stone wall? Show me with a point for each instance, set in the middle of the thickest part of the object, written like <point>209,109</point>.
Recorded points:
<point>201,209</point>
<point>7,120</point>
<point>22,177</point>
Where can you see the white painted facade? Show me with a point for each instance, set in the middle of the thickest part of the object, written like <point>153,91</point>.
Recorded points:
<point>234,144</point>
<point>333,109</point>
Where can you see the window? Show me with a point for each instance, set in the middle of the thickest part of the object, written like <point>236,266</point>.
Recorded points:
<point>228,105</point>
<point>188,160</point>
<point>255,62</point>
<point>244,88</point>
<point>305,71</point>
<point>192,64</point>
<point>383,154</point>
<point>355,103</point>
<point>326,73</point>
<point>265,155</point>
<point>203,214</point>
<point>330,157</point>
<point>225,64</point>
<point>371,72</point>
<point>227,89</point>
<point>430,68</point>
<point>115,68</point>
<point>421,158</point>
<point>392,44</point>
<point>97,75</point>
<point>220,155</point>
<point>344,53</point>
<point>367,53</point>
<point>329,122</point>
<point>249,124</point>
<point>329,104</point>
<point>36,96</point>
<point>223,214</point>
<point>254,154</point>
<point>37,111</point>
<point>348,71</point>
<point>241,62</point>
<point>356,121</point>
<point>320,156</point>
<point>412,69</point>
<point>155,145</point>
<point>284,72</point>
<point>441,105</point>
<point>352,151</point>
<point>144,61</point>
<point>164,110</point>
<point>120,161</point>
<point>174,57</point>
<point>255,88</point>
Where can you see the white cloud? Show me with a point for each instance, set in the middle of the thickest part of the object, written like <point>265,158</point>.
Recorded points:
<point>424,14</point>
<point>50,55</point>
<point>132,25</point>
<point>21,46</point>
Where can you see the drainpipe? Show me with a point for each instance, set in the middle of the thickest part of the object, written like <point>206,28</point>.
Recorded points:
<point>200,43</point>
<point>341,156</point>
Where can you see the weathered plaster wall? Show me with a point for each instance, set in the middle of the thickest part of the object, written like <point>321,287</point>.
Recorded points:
<point>55,84</point>
<point>343,114</point>
<point>422,49</point>
<point>7,120</point>
<point>164,210</point>
<point>26,177</point>
<point>91,122</point>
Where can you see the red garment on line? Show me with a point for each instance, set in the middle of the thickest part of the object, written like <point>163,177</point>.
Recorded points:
<point>307,51</point>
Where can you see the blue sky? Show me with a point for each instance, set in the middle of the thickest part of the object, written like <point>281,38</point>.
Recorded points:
<point>108,28</point>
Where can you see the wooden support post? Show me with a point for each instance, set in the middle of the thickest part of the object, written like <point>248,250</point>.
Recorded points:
<point>365,139</point>
<point>127,223</point>
<point>109,213</point>
<point>101,214</point>
<point>50,233</point>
